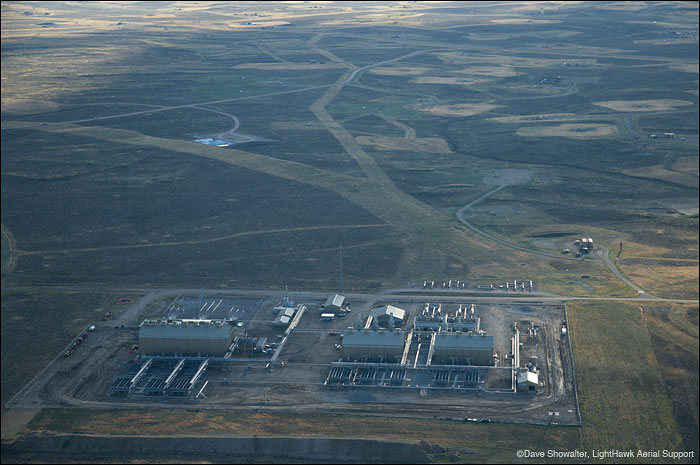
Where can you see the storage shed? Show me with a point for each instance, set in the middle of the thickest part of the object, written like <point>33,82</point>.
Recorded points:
<point>384,314</point>
<point>334,303</point>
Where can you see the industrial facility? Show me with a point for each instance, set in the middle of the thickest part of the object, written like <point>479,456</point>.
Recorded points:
<point>152,378</point>
<point>270,350</point>
<point>432,319</point>
<point>416,347</point>
<point>585,245</point>
<point>175,351</point>
<point>453,338</point>
<point>196,327</point>
<point>443,349</point>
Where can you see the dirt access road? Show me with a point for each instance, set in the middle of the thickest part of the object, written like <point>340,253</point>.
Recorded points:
<point>506,178</point>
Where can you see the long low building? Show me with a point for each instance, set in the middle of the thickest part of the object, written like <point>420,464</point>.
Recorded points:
<point>186,337</point>
<point>463,348</point>
<point>373,343</point>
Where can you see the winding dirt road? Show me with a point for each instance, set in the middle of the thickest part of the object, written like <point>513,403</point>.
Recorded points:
<point>601,253</point>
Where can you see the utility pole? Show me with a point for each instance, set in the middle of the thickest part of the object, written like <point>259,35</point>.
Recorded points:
<point>340,270</point>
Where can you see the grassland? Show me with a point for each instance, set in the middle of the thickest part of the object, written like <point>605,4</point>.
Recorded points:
<point>489,443</point>
<point>636,375</point>
<point>674,334</point>
<point>57,316</point>
<point>379,165</point>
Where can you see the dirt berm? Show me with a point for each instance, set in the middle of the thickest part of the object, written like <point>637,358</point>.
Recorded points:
<point>232,448</point>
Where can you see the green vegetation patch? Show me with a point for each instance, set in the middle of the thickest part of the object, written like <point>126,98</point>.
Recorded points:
<point>467,443</point>
<point>674,333</point>
<point>623,399</point>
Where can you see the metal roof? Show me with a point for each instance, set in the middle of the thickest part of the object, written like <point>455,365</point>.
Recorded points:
<point>528,377</point>
<point>287,311</point>
<point>373,338</point>
<point>186,329</point>
<point>281,320</point>
<point>463,341</point>
<point>389,310</point>
<point>336,300</point>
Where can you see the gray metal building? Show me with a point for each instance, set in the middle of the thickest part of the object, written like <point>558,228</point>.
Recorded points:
<point>186,337</point>
<point>528,381</point>
<point>384,315</point>
<point>373,343</point>
<point>463,348</point>
<point>334,303</point>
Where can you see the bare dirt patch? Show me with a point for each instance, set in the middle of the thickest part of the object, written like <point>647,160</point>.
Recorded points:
<point>503,60</point>
<point>664,42</point>
<point>458,109</point>
<point>625,6</point>
<point>14,421</point>
<point>15,106</point>
<point>257,24</point>
<point>541,118</point>
<point>459,81</point>
<point>573,131</point>
<point>429,144</point>
<point>297,125</point>
<point>687,206</point>
<point>660,278</point>
<point>686,164</point>
<point>494,71</point>
<point>659,172</point>
<point>293,66</point>
<point>524,21</point>
<point>508,177</point>
<point>557,34</point>
<point>399,70</point>
<point>687,67</point>
<point>388,16</point>
<point>644,105</point>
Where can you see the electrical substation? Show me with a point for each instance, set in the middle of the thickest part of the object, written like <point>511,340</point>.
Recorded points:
<point>493,359</point>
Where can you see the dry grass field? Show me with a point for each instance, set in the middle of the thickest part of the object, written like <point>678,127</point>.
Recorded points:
<point>574,131</point>
<point>629,373</point>
<point>369,125</point>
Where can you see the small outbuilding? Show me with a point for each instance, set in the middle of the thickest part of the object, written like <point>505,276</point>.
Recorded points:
<point>528,381</point>
<point>384,315</point>
<point>334,303</point>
